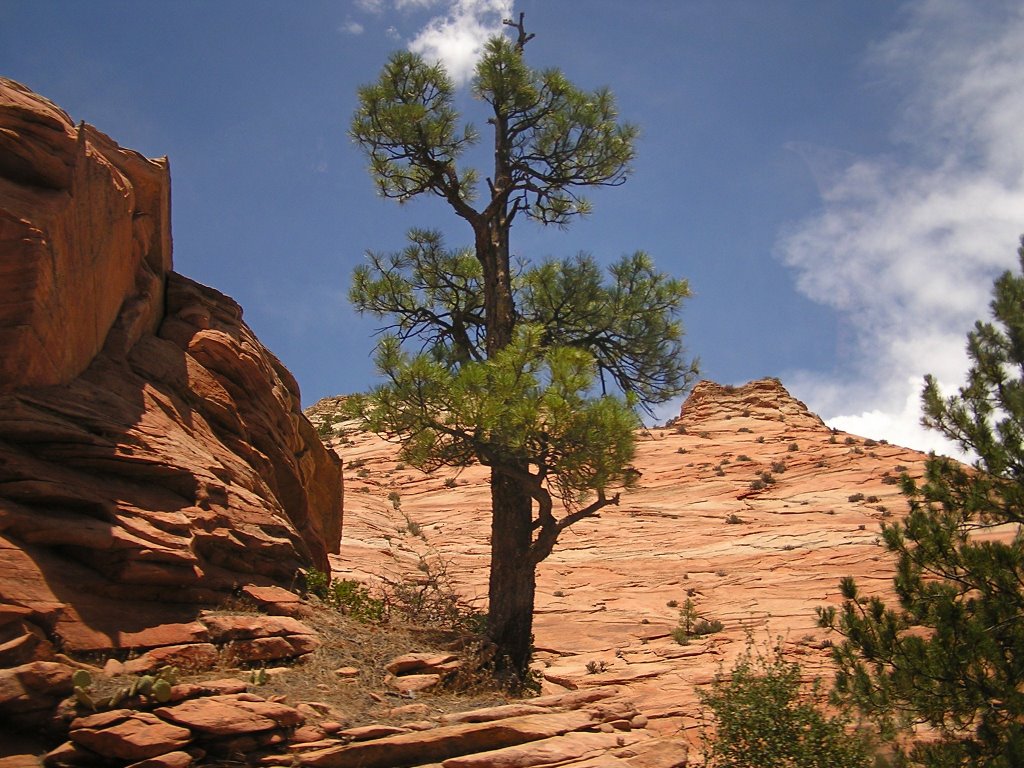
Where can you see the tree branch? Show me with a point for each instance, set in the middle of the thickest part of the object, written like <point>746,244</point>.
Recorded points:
<point>523,38</point>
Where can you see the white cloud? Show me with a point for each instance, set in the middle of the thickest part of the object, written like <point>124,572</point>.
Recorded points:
<point>353,28</point>
<point>404,5</point>
<point>370,6</point>
<point>456,39</point>
<point>906,246</point>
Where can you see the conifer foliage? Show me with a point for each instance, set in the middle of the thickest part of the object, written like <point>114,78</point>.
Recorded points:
<point>533,370</point>
<point>952,655</point>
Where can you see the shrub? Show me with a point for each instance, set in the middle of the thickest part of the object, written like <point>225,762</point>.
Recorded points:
<point>762,719</point>
<point>733,519</point>
<point>855,497</point>
<point>431,600</point>
<point>349,597</point>
<point>757,485</point>
<point>743,457</point>
<point>793,447</point>
<point>778,467</point>
<point>707,627</point>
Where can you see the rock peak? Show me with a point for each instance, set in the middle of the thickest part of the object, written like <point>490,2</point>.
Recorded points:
<point>761,399</point>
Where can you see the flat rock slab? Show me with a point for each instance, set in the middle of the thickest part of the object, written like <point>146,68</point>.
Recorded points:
<point>170,760</point>
<point>191,655</point>
<point>670,752</point>
<point>226,627</point>
<point>231,715</point>
<point>554,751</point>
<point>128,735</point>
<point>422,663</point>
<point>276,601</point>
<point>439,744</point>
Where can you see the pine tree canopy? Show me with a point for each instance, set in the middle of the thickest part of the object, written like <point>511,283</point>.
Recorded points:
<point>534,370</point>
<point>951,656</point>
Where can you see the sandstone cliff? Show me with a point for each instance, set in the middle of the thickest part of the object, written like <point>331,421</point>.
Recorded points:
<point>153,454</point>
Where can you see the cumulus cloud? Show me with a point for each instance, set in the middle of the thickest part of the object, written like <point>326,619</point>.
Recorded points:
<point>352,28</point>
<point>456,38</point>
<point>906,246</point>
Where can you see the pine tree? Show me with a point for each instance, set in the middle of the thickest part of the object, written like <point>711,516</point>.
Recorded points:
<point>533,371</point>
<point>952,655</point>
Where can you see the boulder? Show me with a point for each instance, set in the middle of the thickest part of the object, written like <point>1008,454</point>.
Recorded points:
<point>128,735</point>
<point>29,692</point>
<point>231,715</point>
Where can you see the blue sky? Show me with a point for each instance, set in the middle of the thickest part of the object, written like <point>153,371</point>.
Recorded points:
<point>839,180</point>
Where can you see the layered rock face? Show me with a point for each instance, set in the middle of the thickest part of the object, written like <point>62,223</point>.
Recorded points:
<point>153,454</point>
<point>748,506</point>
<point>84,224</point>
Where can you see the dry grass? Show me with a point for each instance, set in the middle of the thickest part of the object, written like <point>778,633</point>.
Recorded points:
<point>367,697</point>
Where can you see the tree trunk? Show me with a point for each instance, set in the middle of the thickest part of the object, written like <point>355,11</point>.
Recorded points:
<point>513,580</point>
<point>499,306</point>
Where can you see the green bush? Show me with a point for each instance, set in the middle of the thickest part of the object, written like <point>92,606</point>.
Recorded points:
<point>349,597</point>
<point>763,719</point>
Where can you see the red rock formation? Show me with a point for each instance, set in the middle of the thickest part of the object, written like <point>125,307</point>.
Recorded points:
<point>748,505</point>
<point>153,455</point>
<point>760,399</point>
<point>84,224</point>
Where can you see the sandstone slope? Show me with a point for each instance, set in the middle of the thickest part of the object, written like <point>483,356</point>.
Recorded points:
<point>153,454</point>
<point>703,525</point>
